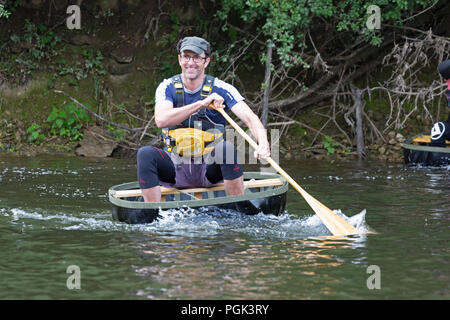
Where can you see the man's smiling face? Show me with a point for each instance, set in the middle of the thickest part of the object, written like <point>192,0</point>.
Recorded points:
<point>192,65</point>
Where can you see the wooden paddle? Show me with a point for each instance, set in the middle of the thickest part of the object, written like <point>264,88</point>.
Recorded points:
<point>337,225</point>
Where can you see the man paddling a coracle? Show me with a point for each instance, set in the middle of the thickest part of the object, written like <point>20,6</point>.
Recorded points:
<point>441,130</point>
<point>196,153</point>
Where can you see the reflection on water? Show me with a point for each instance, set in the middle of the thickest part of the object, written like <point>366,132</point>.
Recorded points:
<point>240,269</point>
<point>54,213</point>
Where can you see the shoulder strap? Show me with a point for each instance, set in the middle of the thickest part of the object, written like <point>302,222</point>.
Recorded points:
<point>208,83</point>
<point>179,90</point>
<point>207,86</point>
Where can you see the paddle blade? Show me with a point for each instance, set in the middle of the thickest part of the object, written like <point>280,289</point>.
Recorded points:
<point>337,225</point>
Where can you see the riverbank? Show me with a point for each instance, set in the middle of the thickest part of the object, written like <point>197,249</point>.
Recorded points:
<point>112,69</point>
<point>97,142</point>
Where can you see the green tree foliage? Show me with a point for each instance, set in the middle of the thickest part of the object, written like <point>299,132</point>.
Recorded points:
<point>4,13</point>
<point>285,22</point>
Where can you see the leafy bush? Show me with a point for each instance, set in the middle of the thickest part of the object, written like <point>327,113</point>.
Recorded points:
<point>93,62</point>
<point>329,144</point>
<point>68,121</point>
<point>4,13</point>
<point>43,41</point>
<point>35,134</point>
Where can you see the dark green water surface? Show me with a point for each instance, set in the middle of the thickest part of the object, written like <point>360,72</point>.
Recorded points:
<point>54,213</point>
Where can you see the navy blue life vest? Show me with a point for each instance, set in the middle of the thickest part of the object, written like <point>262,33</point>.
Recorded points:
<point>205,129</point>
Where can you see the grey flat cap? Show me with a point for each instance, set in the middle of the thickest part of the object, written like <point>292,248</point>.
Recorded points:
<point>195,44</point>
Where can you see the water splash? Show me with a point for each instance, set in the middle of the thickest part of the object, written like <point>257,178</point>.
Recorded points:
<point>187,222</point>
<point>430,168</point>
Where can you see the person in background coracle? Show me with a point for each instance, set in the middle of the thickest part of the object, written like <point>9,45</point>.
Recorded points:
<point>441,130</point>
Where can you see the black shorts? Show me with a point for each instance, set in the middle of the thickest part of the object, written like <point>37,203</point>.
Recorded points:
<point>155,165</point>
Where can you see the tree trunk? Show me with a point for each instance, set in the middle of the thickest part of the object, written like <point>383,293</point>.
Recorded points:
<point>359,125</point>
<point>267,77</point>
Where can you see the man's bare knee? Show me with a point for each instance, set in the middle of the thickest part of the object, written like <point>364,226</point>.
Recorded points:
<point>152,194</point>
<point>234,187</point>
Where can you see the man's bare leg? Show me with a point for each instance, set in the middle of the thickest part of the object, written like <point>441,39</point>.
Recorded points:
<point>234,187</point>
<point>152,194</point>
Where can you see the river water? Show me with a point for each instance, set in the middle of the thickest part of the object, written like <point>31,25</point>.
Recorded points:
<point>56,225</point>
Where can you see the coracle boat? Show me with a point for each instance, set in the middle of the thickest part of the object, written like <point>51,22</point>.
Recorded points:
<point>417,151</point>
<point>264,192</point>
